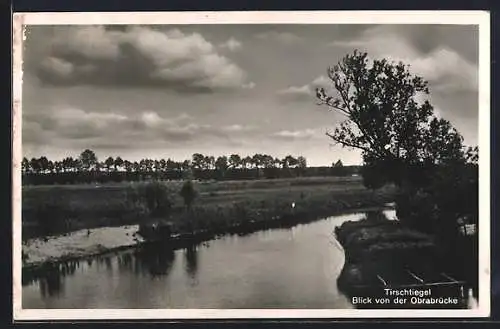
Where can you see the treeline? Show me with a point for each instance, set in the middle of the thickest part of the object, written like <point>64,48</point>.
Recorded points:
<point>88,169</point>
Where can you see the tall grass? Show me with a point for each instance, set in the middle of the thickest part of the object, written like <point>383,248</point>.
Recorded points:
<point>256,213</point>
<point>54,214</point>
<point>219,205</point>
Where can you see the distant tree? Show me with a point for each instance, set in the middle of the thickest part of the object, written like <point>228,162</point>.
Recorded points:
<point>290,162</point>
<point>149,163</point>
<point>169,164</point>
<point>143,167</point>
<point>69,164</point>
<point>110,162</point>
<point>234,161</point>
<point>44,164</point>
<point>50,166</point>
<point>246,162</point>
<point>77,164</point>
<point>128,166</point>
<point>302,162</point>
<point>58,166</point>
<point>157,165</point>
<point>25,165</point>
<point>186,165</point>
<point>268,161</point>
<point>209,162</point>
<point>118,163</point>
<point>98,166</point>
<point>258,160</point>
<point>177,165</point>
<point>88,159</point>
<point>198,161</point>
<point>337,164</point>
<point>136,166</point>
<point>221,163</point>
<point>163,164</point>
<point>35,165</point>
<point>301,165</point>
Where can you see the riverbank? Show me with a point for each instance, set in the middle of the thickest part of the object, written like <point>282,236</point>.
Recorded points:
<point>47,251</point>
<point>221,208</point>
<point>56,210</point>
<point>381,253</point>
<point>38,252</point>
<point>78,244</point>
<point>372,247</point>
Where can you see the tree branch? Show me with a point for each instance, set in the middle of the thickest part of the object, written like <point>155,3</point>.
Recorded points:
<point>341,110</point>
<point>343,142</point>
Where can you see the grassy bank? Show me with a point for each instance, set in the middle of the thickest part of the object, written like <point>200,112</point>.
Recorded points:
<point>51,210</point>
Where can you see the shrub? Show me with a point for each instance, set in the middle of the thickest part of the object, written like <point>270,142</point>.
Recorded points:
<point>188,193</point>
<point>152,198</point>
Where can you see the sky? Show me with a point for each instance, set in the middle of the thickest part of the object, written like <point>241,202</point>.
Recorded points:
<point>170,91</point>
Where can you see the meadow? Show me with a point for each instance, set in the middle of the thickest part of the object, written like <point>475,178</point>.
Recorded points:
<point>58,209</point>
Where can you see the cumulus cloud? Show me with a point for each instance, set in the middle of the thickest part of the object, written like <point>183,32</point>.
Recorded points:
<point>139,56</point>
<point>443,67</point>
<point>282,37</point>
<point>231,45</point>
<point>304,92</point>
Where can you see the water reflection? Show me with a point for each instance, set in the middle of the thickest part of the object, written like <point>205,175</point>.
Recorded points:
<point>105,261</point>
<point>125,262</point>
<point>51,285</point>
<point>191,261</point>
<point>50,277</point>
<point>257,270</point>
<point>155,259</point>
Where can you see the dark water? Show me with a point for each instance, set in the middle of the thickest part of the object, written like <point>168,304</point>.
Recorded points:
<point>280,268</point>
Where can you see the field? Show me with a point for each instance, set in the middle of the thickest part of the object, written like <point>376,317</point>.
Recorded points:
<point>50,210</point>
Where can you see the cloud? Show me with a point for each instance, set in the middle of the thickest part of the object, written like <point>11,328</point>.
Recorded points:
<point>304,92</point>
<point>108,129</point>
<point>299,92</point>
<point>443,67</point>
<point>295,134</point>
<point>249,85</point>
<point>282,37</point>
<point>237,128</point>
<point>138,56</point>
<point>231,45</point>
<point>60,68</point>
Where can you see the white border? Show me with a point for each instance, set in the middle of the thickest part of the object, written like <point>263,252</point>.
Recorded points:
<point>481,18</point>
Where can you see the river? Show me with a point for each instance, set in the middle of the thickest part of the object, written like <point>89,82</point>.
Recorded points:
<point>278,268</point>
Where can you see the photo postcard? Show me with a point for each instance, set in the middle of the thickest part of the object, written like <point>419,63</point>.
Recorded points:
<point>242,165</point>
